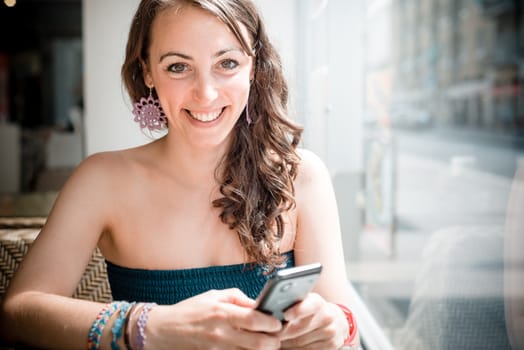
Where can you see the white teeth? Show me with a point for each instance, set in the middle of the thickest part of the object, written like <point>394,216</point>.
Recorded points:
<point>206,117</point>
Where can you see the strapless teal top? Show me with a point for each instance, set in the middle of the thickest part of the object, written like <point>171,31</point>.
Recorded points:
<point>171,286</point>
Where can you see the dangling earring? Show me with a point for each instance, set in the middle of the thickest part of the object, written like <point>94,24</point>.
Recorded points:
<point>149,113</point>
<point>248,118</point>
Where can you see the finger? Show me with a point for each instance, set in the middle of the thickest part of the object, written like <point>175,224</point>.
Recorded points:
<point>256,340</point>
<point>237,297</point>
<point>325,334</point>
<point>322,319</point>
<point>311,314</point>
<point>251,320</point>
<point>227,337</point>
<point>309,306</point>
<point>243,339</point>
<point>324,345</point>
<point>298,327</point>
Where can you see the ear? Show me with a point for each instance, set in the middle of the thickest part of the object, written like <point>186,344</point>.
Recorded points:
<point>148,79</point>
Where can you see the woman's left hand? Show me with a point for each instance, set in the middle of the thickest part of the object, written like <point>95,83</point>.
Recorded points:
<point>314,323</point>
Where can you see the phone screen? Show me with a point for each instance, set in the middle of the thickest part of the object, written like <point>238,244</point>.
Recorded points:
<point>286,288</point>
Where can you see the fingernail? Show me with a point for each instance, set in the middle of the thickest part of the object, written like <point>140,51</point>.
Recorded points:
<point>288,315</point>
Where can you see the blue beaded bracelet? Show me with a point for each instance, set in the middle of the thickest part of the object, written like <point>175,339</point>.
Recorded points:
<point>119,324</point>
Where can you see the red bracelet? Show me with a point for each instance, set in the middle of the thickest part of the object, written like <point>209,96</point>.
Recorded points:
<point>351,322</point>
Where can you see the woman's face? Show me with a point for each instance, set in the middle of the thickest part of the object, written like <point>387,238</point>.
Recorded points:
<point>200,73</point>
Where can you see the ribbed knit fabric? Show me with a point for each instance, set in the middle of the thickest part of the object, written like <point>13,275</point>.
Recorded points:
<point>171,286</point>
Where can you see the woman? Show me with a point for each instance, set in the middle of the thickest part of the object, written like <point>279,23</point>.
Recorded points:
<point>226,175</point>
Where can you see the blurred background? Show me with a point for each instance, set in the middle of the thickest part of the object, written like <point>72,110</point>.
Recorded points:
<point>416,106</point>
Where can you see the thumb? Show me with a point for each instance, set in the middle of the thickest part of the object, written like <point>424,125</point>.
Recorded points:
<point>237,297</point>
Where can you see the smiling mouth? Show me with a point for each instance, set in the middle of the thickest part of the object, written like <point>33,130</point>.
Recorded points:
<point>206,117</point>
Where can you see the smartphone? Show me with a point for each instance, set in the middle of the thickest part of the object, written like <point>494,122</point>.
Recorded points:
<point>286,288</point>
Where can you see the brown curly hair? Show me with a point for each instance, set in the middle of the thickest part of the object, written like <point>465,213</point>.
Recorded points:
<point>257,172</point>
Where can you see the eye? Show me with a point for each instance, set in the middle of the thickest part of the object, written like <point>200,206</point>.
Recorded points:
<point>229,64</point>
<point>177,68</point>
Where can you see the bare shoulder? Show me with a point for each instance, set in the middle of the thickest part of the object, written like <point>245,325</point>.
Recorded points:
<point>98,175</point>
<point>313,182</point>
<point>111,160</point>
<point>104,166</point>
<point>311,169</point>
<point>94,190</point>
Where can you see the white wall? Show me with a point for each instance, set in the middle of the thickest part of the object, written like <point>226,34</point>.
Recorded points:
<point>330,44</point>
<point>280,18</point>
<point>108,120</point>
<point>346,85</point>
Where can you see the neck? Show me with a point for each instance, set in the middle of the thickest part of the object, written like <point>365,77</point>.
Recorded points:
<point>194,167</point>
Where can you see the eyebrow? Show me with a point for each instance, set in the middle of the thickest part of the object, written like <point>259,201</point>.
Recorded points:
<point>187,57</point>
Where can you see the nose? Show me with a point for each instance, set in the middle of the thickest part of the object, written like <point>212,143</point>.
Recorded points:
<point>205,88</point>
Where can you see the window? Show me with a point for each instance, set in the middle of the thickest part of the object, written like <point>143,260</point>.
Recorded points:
<point>438,267</point>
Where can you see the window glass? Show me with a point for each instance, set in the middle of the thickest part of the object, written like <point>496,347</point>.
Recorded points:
<point>441,263</point>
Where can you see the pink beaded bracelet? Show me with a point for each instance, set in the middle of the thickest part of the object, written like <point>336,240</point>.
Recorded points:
<point>141,325</point>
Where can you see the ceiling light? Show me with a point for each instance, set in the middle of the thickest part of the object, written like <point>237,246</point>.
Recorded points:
<point>10,3</point>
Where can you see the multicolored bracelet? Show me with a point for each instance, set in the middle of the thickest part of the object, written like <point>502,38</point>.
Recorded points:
<point>351,322</point>
<point>118,324</point>
<point>141,325</point>
<point>95,332</point>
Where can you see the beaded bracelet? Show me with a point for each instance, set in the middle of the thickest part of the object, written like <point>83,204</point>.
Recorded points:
<point>118,324</point>
<point>351,322</point>
<point>141,325</point>
<point>95,332</point>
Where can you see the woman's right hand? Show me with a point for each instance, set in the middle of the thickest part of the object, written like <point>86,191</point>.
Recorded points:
<point>217,319</point>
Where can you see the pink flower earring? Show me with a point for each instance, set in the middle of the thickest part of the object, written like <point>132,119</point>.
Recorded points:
<point>149,113</point>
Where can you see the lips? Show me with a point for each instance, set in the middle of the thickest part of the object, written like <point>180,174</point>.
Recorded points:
<point>207,116</point>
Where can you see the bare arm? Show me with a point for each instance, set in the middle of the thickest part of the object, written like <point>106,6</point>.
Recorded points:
<point>37,308</point>
<point>318,322</point>
<point>318,229</point>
